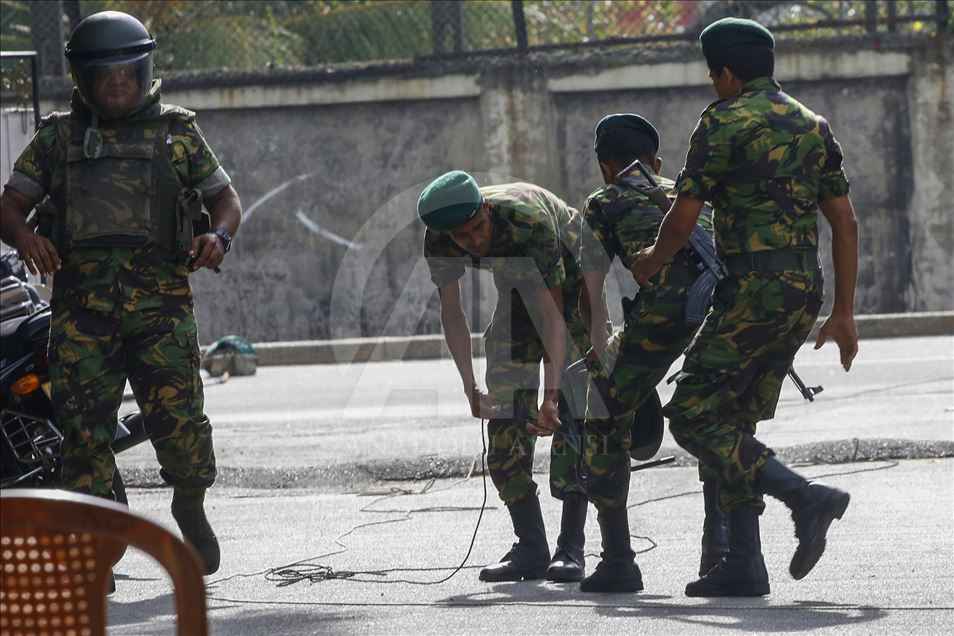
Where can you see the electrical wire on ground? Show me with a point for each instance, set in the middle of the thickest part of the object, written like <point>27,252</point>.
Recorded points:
<point>306,570</point>
<point>309,570</point>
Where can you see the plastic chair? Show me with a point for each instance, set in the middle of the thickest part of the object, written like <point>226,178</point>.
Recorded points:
<point>58,549</point>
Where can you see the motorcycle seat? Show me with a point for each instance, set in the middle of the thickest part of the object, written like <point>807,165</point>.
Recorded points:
<point>17,335</point>
<point>9,327</point>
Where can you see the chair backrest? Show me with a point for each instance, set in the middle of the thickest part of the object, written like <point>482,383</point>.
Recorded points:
<point>57,551</point>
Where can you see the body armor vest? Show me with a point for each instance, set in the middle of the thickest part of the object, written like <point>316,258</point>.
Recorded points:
<point>126,193</point>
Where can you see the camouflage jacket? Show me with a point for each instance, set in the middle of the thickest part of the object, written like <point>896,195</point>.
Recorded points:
<point>535,242</point>
<point>615,228</point>
<point>764,161</point>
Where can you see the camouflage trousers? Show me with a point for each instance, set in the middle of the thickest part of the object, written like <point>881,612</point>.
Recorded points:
<point>514,352</point>
<point>122,317</point>
<point>633,362</point>
<point>733,374</point>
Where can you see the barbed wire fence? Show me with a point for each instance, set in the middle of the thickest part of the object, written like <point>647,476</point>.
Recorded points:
<point>197,35</point>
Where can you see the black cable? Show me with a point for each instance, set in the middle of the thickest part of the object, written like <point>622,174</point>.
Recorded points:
<point>318,572</point>
<point>305,570</point>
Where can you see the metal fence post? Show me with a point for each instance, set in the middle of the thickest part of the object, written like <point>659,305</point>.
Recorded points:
<point>942,11</point>
<point>446,22</point>
<point>871,16</point>
<point>47,34</point>
<point>520,25</point>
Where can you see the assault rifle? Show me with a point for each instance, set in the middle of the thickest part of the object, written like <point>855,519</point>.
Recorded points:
<point>658,196</point>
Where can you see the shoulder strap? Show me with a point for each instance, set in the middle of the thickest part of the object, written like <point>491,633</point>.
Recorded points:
<point>171,111</point>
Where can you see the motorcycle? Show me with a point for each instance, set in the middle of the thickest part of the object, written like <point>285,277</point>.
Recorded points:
<point>29,437</point>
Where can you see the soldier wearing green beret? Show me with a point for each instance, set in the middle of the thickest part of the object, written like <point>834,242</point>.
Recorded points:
<point>528,238</point>
<point>622,219</point>
<point>767,164</point>
<point>125,176</point>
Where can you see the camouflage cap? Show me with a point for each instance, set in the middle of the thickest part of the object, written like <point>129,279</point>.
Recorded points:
<point>629,121</point>
<point>450,200</point>
<point>731,32</point>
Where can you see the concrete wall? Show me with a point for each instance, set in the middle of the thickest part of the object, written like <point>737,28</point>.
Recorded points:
<point>330,169</point>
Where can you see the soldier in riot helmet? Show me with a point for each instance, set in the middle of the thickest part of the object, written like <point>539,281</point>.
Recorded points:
<point>124,178</point>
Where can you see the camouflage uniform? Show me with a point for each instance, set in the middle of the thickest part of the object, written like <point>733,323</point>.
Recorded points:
<point>124,312</point>
<point>636,358</point>
<point>764,161</point>
<point>534,246</point>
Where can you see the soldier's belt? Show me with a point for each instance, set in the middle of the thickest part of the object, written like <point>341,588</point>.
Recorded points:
<point>772,261</point>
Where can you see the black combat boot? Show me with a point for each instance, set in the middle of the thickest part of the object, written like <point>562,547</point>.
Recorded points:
<point>617,572</point>
<point>189,513</point>
<point>567,565</point>
<point>715,528</point>
<point>741,572</point>
<point>529,556</point>
<point>813,507</point>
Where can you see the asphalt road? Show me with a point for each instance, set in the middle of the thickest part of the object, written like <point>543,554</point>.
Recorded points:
<point>327,425</point>
<point>887,569</point>
<point>301,451</point>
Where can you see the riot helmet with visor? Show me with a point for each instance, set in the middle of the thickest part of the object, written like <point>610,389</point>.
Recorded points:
<point>111,55</point>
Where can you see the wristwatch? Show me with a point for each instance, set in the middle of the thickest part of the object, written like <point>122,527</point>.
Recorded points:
<point>226,238</point>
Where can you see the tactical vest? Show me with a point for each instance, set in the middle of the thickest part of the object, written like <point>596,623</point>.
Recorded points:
<point>125,191</point>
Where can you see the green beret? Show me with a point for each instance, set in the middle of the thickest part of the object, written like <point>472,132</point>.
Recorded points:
<point>729,32</point>
<point>629,121</point>
<point>450,200</point>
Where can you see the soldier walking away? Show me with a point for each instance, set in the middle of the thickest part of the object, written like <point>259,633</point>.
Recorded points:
<point>125,178</point>
<point>620,218</point>
<point>767,163</point>
<point>529,239</point>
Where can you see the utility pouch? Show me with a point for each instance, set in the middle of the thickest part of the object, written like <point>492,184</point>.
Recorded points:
<point>47,223</point>
<point>190,219</point>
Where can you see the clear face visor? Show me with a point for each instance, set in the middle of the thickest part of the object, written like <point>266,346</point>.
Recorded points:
<point>114,86</point>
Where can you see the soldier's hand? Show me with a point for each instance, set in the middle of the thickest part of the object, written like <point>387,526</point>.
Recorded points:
<point>207,251</point>
<point>843,331</point>
<point>480,404</point>
<point>38,253</point>
<point>645,267</point>
<point>547,421</point>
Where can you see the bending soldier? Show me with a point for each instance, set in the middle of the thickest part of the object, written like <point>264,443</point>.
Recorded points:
<point>767,164</point>
<point>528,238</point>
<point>126,176</point>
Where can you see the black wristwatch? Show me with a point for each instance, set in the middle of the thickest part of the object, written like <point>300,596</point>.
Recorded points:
<point>226,238</point>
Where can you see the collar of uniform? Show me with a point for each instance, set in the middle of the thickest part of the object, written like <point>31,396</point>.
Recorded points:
<point>760,84</point>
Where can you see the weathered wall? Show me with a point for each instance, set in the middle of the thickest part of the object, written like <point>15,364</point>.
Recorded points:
<point>329,172</point>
